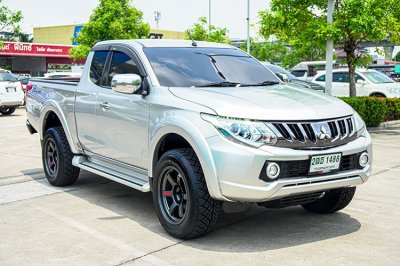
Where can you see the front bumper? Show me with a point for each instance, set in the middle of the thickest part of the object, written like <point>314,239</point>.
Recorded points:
<point>238,169</point>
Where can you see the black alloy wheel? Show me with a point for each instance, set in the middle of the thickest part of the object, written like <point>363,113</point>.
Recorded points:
<point>174,194</point>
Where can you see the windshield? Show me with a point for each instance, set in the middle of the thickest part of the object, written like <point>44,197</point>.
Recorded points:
<point>377,77</point>
<point>277,70</point>
<point>187,67</point>
<point>5,76</point>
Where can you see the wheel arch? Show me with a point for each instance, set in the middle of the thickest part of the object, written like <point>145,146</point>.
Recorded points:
<point>52,116</point>
<point>377,94</point>
<point>186,134</point>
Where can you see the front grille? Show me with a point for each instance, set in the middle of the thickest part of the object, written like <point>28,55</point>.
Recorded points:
<point>293,169</point>
<point>314,135</point>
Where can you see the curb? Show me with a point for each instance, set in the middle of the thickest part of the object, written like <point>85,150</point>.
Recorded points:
<point>384,125</point>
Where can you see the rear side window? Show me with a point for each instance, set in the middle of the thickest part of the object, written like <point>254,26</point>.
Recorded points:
<point>97,67</point>
<point>340,77</point>
<point>321,78</point>
<point>121,63</point>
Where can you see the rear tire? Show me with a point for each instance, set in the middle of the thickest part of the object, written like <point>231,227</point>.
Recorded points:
<point>180,195</point>
<point>8,111</point>
<point>333,201</point>
<point>57,158</point>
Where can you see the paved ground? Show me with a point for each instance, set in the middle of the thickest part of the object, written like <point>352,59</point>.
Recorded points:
<point>98,222</point>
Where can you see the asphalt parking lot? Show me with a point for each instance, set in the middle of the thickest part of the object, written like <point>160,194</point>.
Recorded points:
<point>100,222</point>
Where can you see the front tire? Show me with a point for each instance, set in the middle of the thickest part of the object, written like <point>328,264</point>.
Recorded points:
<point>8,111</point>
<point>57,158</point>
<point>180,195</point>
<point>333,201</point>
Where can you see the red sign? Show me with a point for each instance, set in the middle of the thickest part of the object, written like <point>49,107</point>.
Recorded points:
<point>33,49</point>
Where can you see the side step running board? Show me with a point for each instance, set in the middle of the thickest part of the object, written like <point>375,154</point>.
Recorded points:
<point>129,180</point>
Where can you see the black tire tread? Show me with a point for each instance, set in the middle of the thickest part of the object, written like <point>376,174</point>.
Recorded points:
<point>10,111</point>
<point>68,174</point>
<point>207,208</point>
<point>333,201</point>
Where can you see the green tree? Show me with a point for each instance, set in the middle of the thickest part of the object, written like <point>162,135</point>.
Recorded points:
<point>303,22</point>
<point>9,21</point>
<point>201,31</point>
<point>111,20</point>
<point>280,52</point>
<point>397,57</point>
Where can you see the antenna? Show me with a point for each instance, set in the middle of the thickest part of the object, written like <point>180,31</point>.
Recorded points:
<point>194,44</point>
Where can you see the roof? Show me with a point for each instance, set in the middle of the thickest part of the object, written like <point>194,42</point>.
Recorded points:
<point>167,43</point>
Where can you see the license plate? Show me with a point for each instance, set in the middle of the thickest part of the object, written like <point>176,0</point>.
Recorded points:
<point>11,89</point>
<point>325,163</point>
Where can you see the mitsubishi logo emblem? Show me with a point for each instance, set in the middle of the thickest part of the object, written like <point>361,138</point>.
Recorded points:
<point>324,134</point>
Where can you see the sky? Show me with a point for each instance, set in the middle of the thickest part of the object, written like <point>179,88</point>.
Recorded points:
<point>176,15</point>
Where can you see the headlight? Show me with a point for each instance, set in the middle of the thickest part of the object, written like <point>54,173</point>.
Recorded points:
<point>244,131</point>
<point>360,124</point>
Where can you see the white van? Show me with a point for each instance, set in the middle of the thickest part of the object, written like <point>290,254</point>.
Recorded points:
<point>308,69</point>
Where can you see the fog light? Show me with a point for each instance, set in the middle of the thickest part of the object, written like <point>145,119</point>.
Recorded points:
<point>364,160</point>
<point>273,170</point>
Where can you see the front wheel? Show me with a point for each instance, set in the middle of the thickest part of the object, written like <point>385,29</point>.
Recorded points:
<point>180,195</point>
<point>332,201</point>
<point>8,111</point>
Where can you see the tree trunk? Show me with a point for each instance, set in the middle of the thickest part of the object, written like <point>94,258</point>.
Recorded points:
<point>352,80</point>
<point>352,72</point>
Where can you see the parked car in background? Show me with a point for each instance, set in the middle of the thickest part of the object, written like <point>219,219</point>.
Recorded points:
<point>369,83</point>
<point>24,83</point>
<point>196,124</point>
<point>287,77</point>
<point>11,93</point>
<point>308,69</point>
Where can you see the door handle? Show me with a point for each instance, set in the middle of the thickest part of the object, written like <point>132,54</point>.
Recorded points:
<point>105,105</point>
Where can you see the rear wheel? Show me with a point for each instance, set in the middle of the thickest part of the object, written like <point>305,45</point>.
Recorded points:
<point>332,201</point>
<point>57,158</point>
<point>184,206</point>
<point>8,111</point>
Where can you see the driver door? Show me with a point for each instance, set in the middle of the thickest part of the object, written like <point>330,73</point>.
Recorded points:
<point>122,119</point>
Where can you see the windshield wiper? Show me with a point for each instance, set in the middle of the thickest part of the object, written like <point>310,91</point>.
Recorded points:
<point>220,84</point>
<point>264,83</point>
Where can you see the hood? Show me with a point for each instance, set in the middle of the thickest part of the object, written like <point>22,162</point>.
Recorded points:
<point>272,103</point>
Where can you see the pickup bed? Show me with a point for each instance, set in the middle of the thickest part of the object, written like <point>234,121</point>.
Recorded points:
<point>197,124</point>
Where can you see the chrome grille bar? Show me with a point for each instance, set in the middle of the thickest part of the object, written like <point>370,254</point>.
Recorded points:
<point>321,134</point>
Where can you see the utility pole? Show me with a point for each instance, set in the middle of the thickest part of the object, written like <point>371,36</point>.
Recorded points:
<point>248,26</point>
<point>329,52</point>
<point>209,16</point>
<point>157,17</point>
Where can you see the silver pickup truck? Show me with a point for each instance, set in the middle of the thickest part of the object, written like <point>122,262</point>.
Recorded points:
<point>198,124</point>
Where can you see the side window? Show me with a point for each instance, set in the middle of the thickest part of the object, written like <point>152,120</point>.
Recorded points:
<point>121,63</point>
<point>321,78</point>
<point>358,77</point>
<point>97,67</point>
<point>338,77</point>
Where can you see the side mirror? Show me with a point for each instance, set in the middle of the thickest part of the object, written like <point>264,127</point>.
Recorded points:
<point>126,83</point>
<point>361,82</point>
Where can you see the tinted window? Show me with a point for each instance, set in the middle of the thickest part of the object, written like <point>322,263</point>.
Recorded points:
<point>97,67</point>
<point>5,76</point>
<point>298,73</point>
<point>186,67</point>
<point>121,64</point>
<point>321,78</point>
<point>340,77</point>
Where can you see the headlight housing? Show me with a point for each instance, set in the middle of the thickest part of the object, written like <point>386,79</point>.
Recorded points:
<point>360,124</point>
<point>243,131</point>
